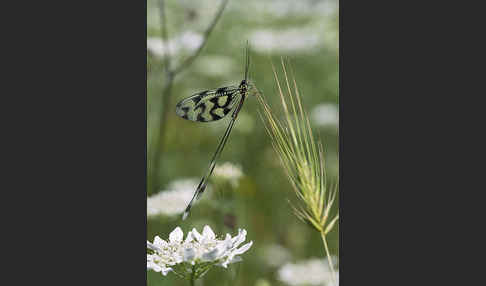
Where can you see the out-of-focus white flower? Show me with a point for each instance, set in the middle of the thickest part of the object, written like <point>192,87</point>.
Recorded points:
<point>186,42</point>
<point>314,272</point>
<point>174,200</point>
<point>169,203</point>
<point>183,184</point>
<point>196,252</point>
<point>190,40</point>
<point>275,255</point>
<point>285,41</point>
<point>287,8</point>
<point>228,171</point>
<point>217,66</point>
<point>325,115</point>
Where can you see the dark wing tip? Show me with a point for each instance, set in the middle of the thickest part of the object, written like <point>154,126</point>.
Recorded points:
<point>185,214</point>
<point>187,210</point>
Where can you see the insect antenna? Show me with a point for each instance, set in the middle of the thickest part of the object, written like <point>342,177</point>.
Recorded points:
<point>247,61</point>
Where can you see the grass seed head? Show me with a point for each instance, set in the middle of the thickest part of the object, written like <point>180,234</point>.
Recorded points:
<point>302,159</point>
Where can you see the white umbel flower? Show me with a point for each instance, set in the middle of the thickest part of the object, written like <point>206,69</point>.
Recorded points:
<point>275,255</point>
<point>325,114</point>
<point>285,41</point>
<point>186,42</point>
<point>174,200</point>
<point>314,272</point>
<point>196,253</point>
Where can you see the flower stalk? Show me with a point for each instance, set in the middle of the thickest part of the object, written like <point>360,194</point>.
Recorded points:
<point>193,276</point>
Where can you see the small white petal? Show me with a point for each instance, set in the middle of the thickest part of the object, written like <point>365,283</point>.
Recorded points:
<point>177,257</point>
<point>208,233</point>
<point>196,235</point>
<point>225,263</point>
<point>237,240</point>
<point>159,241</point>
<point>166,270</point>
<point>189,238</point>
<point>153,247</point>
<point>176,235</point>
<point>227,243</point>
<point>154,267</point>
<point>223,247</point>
<point>243,249</point>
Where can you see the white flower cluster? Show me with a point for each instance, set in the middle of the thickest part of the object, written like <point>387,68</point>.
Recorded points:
<point>173,201</point>
<point>186,42</point>
<point>275,255</point>
<point>216,66</point>
<point>198,251</point>
<point>292,40</point>
<point>286,8</point>
<point>310,272</point>
<point>228,171</point>
<point>325,114</point>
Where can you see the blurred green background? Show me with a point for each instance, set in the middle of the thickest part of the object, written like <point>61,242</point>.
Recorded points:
<point>303,32</point>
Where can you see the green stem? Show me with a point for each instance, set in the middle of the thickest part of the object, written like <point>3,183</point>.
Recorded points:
<point>193,276</point>
<point>170,74</point>
<point>158,143</point>
<point>328,254</point>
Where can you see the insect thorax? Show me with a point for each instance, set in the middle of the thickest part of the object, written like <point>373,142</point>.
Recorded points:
<point>243,86</point>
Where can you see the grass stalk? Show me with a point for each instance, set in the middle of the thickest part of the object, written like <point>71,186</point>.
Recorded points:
<point>301,158</point>
<point>328,254</point>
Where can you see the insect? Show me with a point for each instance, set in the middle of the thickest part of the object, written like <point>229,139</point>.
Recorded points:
<point>209,106</point>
